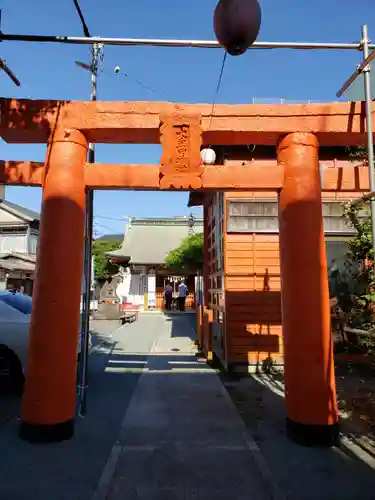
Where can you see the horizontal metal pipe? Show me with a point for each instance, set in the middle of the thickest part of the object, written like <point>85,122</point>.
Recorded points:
<point>208,44</point>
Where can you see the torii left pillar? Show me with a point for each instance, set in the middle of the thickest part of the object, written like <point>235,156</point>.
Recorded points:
<point>50,393</point>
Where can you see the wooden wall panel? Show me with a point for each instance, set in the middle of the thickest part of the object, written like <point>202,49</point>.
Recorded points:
<point>252,294</point>
<point>215,275</point>
<point>272,195</point>
<point>245,195</point>
<point>253,289</point>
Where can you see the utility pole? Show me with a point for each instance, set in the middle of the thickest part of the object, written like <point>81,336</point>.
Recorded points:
<point>96,58</point>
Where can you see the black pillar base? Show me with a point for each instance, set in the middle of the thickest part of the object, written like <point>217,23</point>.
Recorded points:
<point>36,433</point>
<point>313,435</point>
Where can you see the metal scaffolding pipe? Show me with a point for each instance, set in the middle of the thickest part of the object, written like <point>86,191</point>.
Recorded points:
<point>361,68</point>
<point>363,199</point>
<point>155,42</point>
<point>369,126</point>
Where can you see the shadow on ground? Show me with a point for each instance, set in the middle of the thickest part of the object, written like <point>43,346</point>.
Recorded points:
<point>303,473</point>
<point>179,320</point>
<point>71,470</point>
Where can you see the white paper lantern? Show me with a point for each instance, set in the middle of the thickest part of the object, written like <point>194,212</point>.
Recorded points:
<point>208,156</point>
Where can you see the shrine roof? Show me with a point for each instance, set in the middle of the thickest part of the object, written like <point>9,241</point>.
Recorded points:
<point>148,240</point>
<point>22,212</point>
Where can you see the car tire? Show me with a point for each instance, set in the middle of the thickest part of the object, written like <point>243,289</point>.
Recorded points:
<point>11,374</point>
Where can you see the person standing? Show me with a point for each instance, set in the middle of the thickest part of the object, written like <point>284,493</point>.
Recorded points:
<point>168,296</point>
<point>182,294</point>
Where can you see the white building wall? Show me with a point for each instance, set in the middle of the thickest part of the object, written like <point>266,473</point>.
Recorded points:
<point>13,243</point>
<point>9,218</point>
<point>132,287</point>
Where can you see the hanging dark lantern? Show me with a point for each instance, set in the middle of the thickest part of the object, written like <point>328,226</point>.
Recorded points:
<point>237,24</point>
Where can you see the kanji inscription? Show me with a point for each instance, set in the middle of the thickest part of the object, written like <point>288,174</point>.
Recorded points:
<point>180,137</point>
<point>182,148</point>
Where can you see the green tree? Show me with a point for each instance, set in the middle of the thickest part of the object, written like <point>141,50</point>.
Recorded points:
<point>188,256</point>
<point>102,266</point>
<point>356,288</point>
<point>360,247</point>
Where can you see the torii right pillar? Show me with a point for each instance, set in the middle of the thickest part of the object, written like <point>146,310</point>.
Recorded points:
<point>310,390</point>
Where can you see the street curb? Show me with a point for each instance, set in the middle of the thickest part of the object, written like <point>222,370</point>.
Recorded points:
<point>104,484</point>
<point>102,490</point>
<point>269,480</point>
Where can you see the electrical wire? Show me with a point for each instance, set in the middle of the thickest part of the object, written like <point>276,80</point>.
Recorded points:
<point>217,89</point>
<point>109,218</point>
<point>82,19</point>
<point>218,86</point>
<point>106,227</point>
<point>137,81</point>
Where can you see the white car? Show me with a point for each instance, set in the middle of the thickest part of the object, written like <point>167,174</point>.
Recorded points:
<point>15,313</point>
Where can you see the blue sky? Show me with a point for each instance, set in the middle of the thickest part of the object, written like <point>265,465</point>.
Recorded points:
<point>179,75</point>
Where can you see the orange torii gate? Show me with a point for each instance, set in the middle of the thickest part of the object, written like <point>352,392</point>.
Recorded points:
<point>297,131</point>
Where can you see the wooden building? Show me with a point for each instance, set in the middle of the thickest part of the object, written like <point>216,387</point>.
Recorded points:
<point>242,287</point>
<point>19,236</point>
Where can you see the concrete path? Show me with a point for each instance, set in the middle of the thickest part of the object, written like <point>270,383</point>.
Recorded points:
<point>181,437</point>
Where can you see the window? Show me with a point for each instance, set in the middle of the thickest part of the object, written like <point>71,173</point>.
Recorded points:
<point>33,243</point>
<point>262,217</point>
<point>13,230</point>
<point>252,217</point>
<point>219,226</point>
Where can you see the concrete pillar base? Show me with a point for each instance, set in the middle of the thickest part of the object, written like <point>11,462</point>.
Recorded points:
<point>313,435</point>
<point>55,433</point>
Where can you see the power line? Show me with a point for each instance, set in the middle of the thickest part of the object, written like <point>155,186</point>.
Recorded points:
<point>106,227</point>
<point>5,67</point>
<point>95,61</point>
<point>118,71</point>
<point>9,72</point>
<point>109,218</point>
<point>83,22</point>
<point>89,229</point>
<point>218,86</point>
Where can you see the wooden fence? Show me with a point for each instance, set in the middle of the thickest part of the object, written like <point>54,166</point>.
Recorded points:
<point>190,301</point>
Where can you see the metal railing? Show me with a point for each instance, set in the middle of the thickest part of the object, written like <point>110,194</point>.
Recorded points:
<point>281,100</point>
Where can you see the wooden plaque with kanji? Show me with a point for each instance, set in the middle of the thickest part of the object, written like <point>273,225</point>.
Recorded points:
<point>181,165</point>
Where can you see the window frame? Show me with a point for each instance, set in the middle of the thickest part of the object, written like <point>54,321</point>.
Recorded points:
<point>342,228</point>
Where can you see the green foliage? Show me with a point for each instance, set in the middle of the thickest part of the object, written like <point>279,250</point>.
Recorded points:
<point>102,267</point>
<point>358,153</point>
<point>188,256</point>
<point>355,286</point>
<point>361,254</point>
<point>360,247</point>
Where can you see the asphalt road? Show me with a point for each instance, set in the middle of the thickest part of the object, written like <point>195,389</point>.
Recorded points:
<point>71,470</point>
